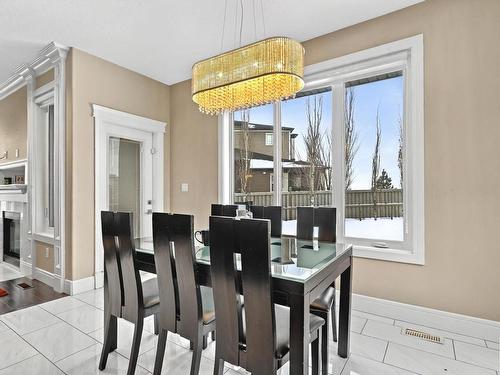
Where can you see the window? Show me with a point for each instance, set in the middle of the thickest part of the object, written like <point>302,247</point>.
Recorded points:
<point>44,167</point>
<point>269,139</point>
<point>353,138</point>
<point>306,161</point>
<point>253,158</point>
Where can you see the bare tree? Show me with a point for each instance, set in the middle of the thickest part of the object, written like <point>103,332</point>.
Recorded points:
<point>351,137</point>
<point>400,152</point>
<point>312,140</point>
<point>244,172</point>
<point>376,164</point>
<point>326,161</point>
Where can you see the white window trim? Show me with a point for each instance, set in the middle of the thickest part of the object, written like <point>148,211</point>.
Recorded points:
<point>405,54</point>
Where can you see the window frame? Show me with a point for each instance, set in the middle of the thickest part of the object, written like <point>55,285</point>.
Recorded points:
<point>405,55</point>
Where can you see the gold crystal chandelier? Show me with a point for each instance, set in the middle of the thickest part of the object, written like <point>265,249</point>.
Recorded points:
<point>263,72</point>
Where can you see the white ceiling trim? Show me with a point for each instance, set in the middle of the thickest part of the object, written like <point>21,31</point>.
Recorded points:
<point>46,58</point>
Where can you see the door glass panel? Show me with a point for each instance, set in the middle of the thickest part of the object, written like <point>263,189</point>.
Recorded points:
<point>125,178</point>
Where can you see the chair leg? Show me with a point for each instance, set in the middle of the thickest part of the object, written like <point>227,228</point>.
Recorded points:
<point>219,366</point>
<point>324,345</point>
<point>205,341</point>
<point>160,351</point>
<point>198,348</point>
<point>136,343</point>
<point>157,329</point>
<point>213,335</point>
<point>334,323</point>
<point>315,355</point>
<point>110,333</point>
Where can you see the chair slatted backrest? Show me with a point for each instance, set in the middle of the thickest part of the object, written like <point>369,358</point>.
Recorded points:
<point>325,218</point>
<point>112,268</point>
<point>223,275</point>
<point>272,213</point>
<point>164,261</point>
<point>132,286</point>
<point>305,223</point>
<point>181,233</point>
<point>216,209</point>
<point>260,339</point>
<point>228,210</point>
<point>254,239</point>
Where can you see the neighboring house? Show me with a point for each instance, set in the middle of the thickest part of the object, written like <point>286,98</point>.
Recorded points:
<point>260,154</point>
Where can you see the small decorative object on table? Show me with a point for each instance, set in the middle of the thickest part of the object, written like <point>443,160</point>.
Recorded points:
<point>19,180</point>
<point>7,180</point>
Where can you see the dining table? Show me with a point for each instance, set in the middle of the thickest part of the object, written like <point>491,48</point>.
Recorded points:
<point>301,271</point>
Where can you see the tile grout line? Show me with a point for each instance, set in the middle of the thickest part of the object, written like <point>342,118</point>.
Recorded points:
<point>385,352</point>
<point>36,350</point>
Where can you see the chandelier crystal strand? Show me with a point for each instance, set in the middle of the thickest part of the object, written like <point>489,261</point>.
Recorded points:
<point>257,74</point>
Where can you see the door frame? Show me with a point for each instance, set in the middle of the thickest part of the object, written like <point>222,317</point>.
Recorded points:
<point>103,117</point>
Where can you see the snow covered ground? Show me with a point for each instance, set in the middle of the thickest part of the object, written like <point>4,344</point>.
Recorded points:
<point>380,229</point>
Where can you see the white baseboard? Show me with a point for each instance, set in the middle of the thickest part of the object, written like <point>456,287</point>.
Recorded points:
<point>73,287</point>
<point>433,318</point>
<point>45,277</point>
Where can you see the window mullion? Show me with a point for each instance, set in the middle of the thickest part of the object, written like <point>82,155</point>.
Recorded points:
<point>338,190</point>
<point>277,150</point>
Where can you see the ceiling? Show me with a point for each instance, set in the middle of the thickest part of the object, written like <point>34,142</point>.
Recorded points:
<point>163,38</point>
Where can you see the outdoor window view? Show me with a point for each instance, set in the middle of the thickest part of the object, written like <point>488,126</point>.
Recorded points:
<point>373,155</point>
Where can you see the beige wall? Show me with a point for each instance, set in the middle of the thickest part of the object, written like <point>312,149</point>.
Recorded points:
<point>44,78</point>
<point>13,125</point>
<point>193,156</point>
<point>462,162</point>
<point>44,262</point>
<point>93,80</point>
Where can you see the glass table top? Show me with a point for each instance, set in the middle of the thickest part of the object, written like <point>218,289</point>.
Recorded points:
<point>291,259</point>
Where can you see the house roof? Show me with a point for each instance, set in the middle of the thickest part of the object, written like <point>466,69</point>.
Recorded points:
<point>255,126</point>
<point>269,164</point>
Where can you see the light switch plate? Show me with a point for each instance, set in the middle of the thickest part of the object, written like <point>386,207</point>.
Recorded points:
<point>184,187</point>
<point>17,152</point>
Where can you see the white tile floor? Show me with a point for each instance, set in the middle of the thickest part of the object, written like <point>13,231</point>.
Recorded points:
<point>9,272</point>
<point>65,337</point>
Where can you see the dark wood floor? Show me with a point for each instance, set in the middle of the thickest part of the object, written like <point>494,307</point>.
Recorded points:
<point>19,298</point>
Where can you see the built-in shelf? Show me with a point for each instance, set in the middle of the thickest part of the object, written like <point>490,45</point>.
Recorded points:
<point>13,171</point>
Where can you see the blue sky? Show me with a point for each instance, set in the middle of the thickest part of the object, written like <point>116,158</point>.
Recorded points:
<point>387,95</point>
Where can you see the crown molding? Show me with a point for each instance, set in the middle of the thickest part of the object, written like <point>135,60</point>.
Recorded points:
<point>47,57</point>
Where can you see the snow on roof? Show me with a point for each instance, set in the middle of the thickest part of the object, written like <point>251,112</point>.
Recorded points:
<point>268,164</point>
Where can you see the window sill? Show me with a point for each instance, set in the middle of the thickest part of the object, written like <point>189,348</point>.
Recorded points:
<point>391,255</point>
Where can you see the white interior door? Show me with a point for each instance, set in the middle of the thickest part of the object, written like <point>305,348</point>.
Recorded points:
<point>129,176</point>
<point>128,172</point>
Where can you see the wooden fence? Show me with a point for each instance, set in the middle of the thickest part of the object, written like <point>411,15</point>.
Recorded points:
<point>359,203</point>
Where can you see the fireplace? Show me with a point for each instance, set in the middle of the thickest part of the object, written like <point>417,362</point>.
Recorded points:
<point>11,234</point>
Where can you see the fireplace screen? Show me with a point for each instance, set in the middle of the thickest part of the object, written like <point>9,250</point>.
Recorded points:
<point>11,233</point>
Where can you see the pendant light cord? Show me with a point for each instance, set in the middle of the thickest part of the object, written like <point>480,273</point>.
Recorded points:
<point>223,28</point>
<point>263,19</point>
<point>241,21</point>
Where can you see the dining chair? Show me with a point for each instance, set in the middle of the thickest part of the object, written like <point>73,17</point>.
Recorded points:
<point>325,218</point>
<point>186,308</point>
<point>272,213</point>
<point>127,295</point>
<point>255,336</point>
<point>305,223</point>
